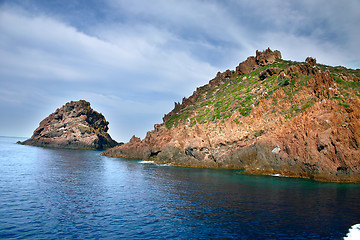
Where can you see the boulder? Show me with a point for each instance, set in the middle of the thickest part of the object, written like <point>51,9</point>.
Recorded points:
<point>311,61</point>
<point>247,66</point>
<point>269,72</point>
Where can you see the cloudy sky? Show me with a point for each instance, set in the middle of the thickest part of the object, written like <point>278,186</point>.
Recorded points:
<point>133,59</point>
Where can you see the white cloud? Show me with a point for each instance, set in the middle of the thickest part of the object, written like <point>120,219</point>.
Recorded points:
<point>43,48</point>
<point>46,48</point>
<point>144,55</point>
<point>43,58</point>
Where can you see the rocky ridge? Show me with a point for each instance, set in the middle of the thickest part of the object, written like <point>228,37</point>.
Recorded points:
<point>269,116</point>
<point>75,125</point>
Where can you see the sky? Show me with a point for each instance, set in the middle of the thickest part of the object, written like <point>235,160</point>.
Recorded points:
<point>133,59</point>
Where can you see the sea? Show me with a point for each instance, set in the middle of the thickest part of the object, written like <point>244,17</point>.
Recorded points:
<point>50,193</point>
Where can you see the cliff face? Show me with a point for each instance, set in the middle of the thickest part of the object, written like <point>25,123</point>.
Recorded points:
<point>280,117</point>
<point>74,125</point>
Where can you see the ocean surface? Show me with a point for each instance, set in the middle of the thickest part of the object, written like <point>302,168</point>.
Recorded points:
<point>77,194</point>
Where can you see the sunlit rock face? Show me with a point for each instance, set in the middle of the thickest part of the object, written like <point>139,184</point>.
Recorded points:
<point>75,125</point>
<point>269,116</point>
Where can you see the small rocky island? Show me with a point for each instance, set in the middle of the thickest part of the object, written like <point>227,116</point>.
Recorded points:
<point>75,125</point>
<point>268,116</point>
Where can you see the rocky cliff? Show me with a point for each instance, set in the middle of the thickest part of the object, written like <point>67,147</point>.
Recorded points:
<point>269,116</point>
<point>74,125</point>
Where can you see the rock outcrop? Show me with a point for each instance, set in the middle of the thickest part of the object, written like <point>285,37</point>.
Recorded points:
<point>264,58</point>
<point>270,116</point>
<point>252,63</point>
<point>75,125</point>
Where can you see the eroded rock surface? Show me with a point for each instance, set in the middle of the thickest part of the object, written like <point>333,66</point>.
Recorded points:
<point>74,125</point>
<point>270,116</point>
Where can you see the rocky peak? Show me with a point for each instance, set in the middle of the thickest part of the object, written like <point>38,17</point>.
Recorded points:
<point>262,58</point>
<point>311,61</point>
<point>135,139</point>
<point>74,125</point>
<point>267,57</point>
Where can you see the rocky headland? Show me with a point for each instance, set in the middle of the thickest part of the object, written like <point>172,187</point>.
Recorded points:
<point>75,125</point>
<point>268,116</point>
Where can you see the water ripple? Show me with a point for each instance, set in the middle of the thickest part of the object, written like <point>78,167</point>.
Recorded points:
<point>61,194</point>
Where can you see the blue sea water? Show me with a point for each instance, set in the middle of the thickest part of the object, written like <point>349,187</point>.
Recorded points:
<point>61,194</point>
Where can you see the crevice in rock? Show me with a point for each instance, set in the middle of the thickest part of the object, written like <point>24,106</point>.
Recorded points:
<point>189,151</point>
<point>320,147</point>
<point>154,154</point>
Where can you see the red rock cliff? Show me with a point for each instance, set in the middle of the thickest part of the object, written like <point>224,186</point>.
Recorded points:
<point>270,116</point>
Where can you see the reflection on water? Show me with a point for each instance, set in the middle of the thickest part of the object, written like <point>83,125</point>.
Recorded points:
<point>54,193</point>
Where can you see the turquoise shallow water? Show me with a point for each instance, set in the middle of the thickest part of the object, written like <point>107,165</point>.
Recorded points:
<point>63,194</point>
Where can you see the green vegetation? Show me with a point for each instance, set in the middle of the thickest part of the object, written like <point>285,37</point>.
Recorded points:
<point>343,104</point>
<point>241,93</point>
<point>307,104</point>
<point>284,82</point>
<point>84,129</point>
